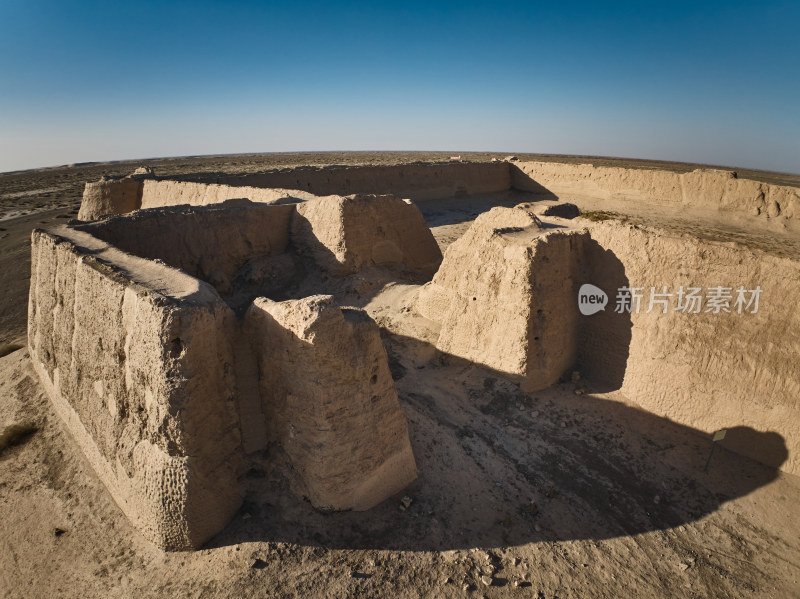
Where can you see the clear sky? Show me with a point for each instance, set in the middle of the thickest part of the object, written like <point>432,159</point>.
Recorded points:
<point>710,82</point>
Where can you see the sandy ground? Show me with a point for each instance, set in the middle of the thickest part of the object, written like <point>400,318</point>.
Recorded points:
<point>550,494</point>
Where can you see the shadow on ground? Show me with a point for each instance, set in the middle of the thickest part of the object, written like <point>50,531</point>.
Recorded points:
<point>499,467</point>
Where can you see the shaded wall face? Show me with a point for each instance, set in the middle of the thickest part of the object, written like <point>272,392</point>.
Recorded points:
<point>707,370</point>
<point>603,338</point>
<point>418,182</point>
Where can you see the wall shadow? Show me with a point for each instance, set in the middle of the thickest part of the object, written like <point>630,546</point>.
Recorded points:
<point>593,467</point>
<point>521,181</point>
<point>604,338</point>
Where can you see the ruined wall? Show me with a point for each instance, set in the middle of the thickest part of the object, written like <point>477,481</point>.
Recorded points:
<point>705,189</point>
<point>135,357</point>
<point>110,196</point>
<point>211,243</point>
<point>347,234</point>
<point>415,181</point>
<point>709,371</point>
<point>175,193</point>
<point>419,182</point>
<point>504,296</point>
<point>330,401</point>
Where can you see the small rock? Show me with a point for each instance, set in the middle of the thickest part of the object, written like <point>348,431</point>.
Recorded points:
<point>657,499</point>
<point>535,414</point>
<point>578,391</point>
<point>537,528</point>
<point>256,563</point>
<point>533,509</point>
<point>447,580</point>
<point>487,580</point>
<point>406,502</point>
<point>683,566</point>
<point>515,561</point>
<point>246,516</point>
<point>563,425</point>
<point>511,158</point>
<point>465,587</point>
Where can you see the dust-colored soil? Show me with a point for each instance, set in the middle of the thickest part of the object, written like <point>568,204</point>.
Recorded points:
<point>549,494</point>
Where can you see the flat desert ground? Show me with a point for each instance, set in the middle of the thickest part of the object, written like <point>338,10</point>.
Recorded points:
<point>547,494</point>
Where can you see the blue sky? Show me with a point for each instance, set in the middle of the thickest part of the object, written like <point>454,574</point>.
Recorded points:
<point>713,82</point>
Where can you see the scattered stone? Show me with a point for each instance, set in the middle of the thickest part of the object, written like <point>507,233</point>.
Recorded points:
<point>657,499</point>
<point>487,580</point>
<point>563,425</point>
<point>683,566</point>
<point>256,563</point>
<point>59,531</point>
<point>246,516</point>
<point>465,587</point>
<point>535,414</point>
<point>578,391</point>
<point>406,502</point>
<point>537,528</point>
<point>511,159</point>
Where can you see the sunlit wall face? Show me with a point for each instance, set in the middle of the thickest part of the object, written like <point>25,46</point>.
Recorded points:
<point>715,83</point>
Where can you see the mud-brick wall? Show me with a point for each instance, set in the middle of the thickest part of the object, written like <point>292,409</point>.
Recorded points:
<point>418,182</point>
<point>701,189</point>
<point>708,370</point>
<point>136,360</point>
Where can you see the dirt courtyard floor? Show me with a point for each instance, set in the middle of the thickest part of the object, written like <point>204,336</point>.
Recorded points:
<point>566,492</point>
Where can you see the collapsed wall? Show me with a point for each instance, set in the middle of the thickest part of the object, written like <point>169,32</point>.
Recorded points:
<point>506,296</point>
<point>148,368</point>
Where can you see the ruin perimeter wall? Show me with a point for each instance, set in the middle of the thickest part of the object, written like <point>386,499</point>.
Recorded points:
<point>702,189</point>
<point>417,182</point>
<point>707,370</point>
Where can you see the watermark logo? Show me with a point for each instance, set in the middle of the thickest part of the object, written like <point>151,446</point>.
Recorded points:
<point>591,299</point>
<point>685,299</point>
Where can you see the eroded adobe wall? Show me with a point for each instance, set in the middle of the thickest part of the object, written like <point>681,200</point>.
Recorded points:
<point>211,243</point>
<point>514,308</point>
<point>175,193</point>
<point>347,234</point>
<point>135,356</point>
<point>702,189</point>
<point>709,371</point>
<point>330,401</point>
<point>419,182</point>
<point>110,196</point>
<point>504,296</point>
<point>415,181</point>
